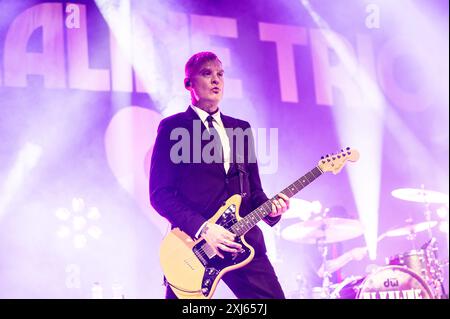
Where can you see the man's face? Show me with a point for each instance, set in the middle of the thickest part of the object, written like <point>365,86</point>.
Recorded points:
<point>207,83</point>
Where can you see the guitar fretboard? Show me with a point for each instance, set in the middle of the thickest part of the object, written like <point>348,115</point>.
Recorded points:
<point>247,223</point>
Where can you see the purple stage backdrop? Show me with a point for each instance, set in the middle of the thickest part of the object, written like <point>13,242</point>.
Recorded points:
<point>84,84</point>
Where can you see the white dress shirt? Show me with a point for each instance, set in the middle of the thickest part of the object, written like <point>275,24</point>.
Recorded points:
<point>218,125</point>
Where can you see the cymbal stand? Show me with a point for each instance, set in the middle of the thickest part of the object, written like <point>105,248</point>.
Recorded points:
<point>326,282</point>
<point>412,234</point>
<point>438,280</point>
<point>323,249</point>
<point>427,212</point>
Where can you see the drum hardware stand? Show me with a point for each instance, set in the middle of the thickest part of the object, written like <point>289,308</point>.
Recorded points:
<point>437,281</point>
<point>436,269</point>
<point>323,249</point>
<point>412,235</point>
<point>304,290</point>
<point>440,279</point>
<point>432,243</point>
<point>427,212</point>
<point>326,283</point>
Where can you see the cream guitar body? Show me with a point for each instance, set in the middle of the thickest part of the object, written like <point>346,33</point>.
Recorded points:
<point>191,267</point>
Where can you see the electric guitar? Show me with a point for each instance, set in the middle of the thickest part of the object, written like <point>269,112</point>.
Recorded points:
<point>191,267</point>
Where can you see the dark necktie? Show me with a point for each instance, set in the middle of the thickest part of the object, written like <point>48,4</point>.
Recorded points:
<point>216,139</point>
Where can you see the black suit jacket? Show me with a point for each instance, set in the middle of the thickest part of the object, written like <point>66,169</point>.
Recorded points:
<point>188,194</point>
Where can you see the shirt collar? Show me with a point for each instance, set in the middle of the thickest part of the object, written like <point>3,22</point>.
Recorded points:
<point>203,115</point>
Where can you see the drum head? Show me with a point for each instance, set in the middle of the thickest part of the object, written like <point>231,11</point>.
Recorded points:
<point>394,282</point>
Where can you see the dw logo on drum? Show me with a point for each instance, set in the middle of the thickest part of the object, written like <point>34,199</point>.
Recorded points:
<point>390,282</point>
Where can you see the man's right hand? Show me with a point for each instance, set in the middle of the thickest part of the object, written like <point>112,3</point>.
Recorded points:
<point>220,238</point>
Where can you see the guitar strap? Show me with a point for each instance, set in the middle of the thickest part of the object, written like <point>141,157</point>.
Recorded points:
<point>242,171</point>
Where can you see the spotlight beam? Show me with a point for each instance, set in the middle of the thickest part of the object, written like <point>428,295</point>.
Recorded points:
<point>355,131</point>
<point>26,161</point>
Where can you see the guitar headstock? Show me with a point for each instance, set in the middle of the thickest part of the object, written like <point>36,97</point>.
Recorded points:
<point>335,162</point>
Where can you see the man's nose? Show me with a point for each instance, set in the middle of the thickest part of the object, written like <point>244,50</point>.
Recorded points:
<point>215,80</point>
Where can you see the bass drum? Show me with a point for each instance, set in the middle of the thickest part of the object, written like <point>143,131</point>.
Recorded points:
<point>394,282</point>
<point>390,282</point>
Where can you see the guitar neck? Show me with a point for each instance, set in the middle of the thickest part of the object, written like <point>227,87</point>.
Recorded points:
<point>249,221</point>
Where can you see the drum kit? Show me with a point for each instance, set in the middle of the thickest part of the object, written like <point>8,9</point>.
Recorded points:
<point>414,274</point>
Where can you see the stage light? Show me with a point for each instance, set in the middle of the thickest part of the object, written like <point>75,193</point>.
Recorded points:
<point>78,222</point>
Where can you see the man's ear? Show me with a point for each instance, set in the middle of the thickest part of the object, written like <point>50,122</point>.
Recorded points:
<point>187,83</point>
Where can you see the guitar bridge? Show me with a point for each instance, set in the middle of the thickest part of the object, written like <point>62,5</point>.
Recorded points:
<point>201,255</point>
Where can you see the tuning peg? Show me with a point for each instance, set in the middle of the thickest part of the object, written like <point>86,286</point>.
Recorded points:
<point>321,157</point>
<point>348,148</point>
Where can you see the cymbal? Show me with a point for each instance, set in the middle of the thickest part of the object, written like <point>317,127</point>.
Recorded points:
<point>410,229</point>
<point>420,195</point>
<point>331,230</point>
<point>299,208</point>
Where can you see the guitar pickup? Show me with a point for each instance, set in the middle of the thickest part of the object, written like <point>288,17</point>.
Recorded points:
<point>230,209</point>
<point>211,271</point>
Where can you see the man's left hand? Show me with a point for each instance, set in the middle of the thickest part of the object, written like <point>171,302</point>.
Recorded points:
<point>279,205</point>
